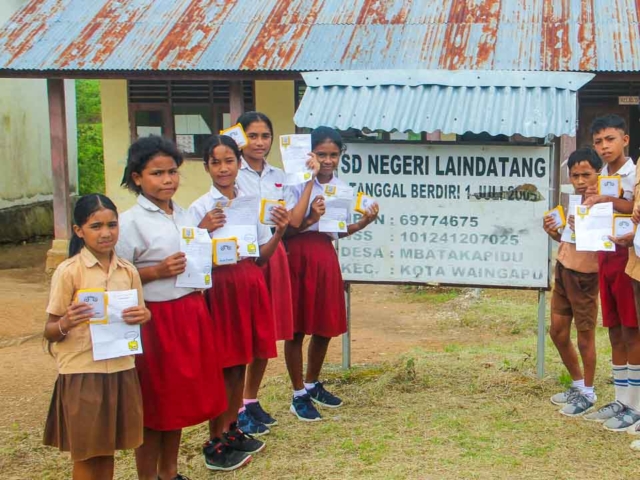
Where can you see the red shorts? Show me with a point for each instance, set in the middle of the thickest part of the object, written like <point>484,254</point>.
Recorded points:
<point>616,289</point>
<point>241,313</point>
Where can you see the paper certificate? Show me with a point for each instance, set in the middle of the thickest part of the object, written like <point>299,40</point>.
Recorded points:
<point>196,244</point>
<point>295,151</point>
<point>636,242</point>
<point>336,216</point>
<point>558,216</point>
<point>622,225</point>
<point>610,186</point>
<point>96,298</point>
<point>116,338</point>
<point>241,223</point>
<point>569,235</point>
<point>593,227</point>
<point>237,133</point>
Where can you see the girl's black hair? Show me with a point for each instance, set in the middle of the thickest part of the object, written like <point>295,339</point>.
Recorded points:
<point>86,206</point>
<point>215,140</point>
<point>141,152</point>
<point>247,118</point>
<point>322,134</point>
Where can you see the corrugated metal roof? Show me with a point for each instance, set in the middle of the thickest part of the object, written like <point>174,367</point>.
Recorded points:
<point>307,35</point>
<point>533,104</point>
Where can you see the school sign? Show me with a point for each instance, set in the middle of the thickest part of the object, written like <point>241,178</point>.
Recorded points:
<point>450,214</point>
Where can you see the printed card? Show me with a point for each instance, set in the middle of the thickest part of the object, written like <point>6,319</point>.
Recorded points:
<point>266,206</point>
<point>97,298</point>
<point>610,186</point>
<point>558,216</point>
<point>237,133</point>
<point>622,225</point>
<point>225,251</point>
<point>364,203</point>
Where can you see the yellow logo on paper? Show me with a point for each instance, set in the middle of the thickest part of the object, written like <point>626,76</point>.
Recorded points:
<point>608,244</point>
<point>207,279</point>
<point>330,190</point>
<point>307,176</point>
<point>285,141</point>
<point>133,344</point>
<point>251,248</point>
<point>342,225</point>
<point>188,234</point>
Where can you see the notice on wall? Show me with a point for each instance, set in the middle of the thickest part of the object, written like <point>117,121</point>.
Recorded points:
<point>450,214</point>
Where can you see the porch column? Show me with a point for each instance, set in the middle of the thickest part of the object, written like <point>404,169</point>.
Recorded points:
<point>59,173</point>
<point>236,100</point>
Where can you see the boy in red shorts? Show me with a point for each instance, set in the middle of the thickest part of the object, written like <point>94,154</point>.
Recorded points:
<point>616,290</point>
<point>575,296</point>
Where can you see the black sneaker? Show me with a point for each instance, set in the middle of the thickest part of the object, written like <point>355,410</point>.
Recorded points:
<point>250,425</point>
<point>236,439</point>
<point>319,395</point>
<point>218,456</point>
<point>303,408</point>
<point>257,412</point>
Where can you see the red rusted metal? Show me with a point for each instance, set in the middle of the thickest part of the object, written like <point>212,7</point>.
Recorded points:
<point>454,34</point>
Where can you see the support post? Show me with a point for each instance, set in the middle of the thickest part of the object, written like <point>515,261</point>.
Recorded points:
<point>346,338</point>
<point>236,100</point>
<point>59,173</point>
<point>542,333</point>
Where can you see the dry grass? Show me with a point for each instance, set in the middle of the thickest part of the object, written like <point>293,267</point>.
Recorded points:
<point>468,411</point>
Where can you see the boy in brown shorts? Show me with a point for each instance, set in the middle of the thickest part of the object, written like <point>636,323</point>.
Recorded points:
<point>575,296</point>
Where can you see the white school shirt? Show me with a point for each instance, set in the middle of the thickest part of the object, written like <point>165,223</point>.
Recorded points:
<point>252,183</point>
<point>627,177</point>
<point>293,193</point>
<point>207,202</point>
<point>148,235</point>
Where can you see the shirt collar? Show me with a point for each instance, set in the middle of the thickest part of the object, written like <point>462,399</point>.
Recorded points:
<point>215,193</point>
<point>147,204</point>
<point>90,259</point>
<point>244,165</point>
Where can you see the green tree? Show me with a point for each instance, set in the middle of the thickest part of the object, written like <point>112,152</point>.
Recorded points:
<point>90,152</point>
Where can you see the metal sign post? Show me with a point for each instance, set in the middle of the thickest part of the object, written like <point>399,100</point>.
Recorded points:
<point>346,338</point>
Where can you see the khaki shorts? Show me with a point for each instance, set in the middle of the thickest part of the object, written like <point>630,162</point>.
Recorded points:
<point>575,295</point>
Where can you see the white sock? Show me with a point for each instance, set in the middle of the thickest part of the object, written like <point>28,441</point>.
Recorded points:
<point>621,383</point>
<point>578,384</point>
<point>588,392</point>
<point>309,386</point>
<point>633,395</point>
<point>299,393</point>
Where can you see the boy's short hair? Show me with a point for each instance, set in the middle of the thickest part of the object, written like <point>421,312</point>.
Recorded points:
<point>608,121</point>
<point>585,154</point>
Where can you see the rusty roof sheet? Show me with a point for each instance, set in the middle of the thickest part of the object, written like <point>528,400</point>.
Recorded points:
<point>307,35</point>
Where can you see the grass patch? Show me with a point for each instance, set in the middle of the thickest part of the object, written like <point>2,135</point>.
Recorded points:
<point>429,295</point>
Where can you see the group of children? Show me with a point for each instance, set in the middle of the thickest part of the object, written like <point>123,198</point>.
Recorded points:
<point>579,275</point>
<point>205,352</point>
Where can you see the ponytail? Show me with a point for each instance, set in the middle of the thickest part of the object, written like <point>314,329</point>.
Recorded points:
<point>75,244</point>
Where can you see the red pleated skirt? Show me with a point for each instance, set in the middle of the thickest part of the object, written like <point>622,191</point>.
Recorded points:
<point>276,274</point>
<point>241,314</point>
<point>180,371</point>
<point>316,286</point>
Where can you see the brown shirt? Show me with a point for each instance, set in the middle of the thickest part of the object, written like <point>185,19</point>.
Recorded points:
<point>633,265</point>
<point>583,262</point>
<point>74,354</point>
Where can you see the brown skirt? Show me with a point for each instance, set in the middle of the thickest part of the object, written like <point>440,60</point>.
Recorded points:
<point>95,414</point>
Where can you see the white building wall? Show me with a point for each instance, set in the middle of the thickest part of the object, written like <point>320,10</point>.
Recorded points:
<point>25,153</point>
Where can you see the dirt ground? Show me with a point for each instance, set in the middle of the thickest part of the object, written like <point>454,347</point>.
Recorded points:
<point>382,327</point>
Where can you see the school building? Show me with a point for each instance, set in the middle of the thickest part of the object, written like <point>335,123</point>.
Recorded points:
<point>187,68</point>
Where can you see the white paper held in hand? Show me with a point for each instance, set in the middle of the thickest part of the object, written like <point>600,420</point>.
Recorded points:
<point>336,215</point>
<point>295,151</point>
<point>622,225</point>
<point>196,245</point>
<point>116,338</point>
<point>241,223</point>
<point>569,235</point>
<point>593,227</point>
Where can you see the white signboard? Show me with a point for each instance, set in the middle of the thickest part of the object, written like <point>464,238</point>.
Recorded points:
<point>450,214</point>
